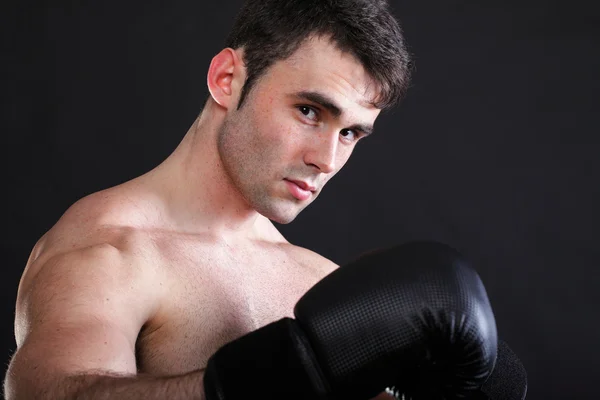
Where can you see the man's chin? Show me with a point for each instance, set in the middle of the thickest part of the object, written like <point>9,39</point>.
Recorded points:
<point>282,217</point>
<point>281,210</point>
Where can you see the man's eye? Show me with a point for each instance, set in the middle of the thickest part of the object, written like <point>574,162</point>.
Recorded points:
<point>308,112</point>
<point>349,134</point>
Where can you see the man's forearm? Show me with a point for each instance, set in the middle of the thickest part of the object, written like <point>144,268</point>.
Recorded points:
<point>144,387</point>
<point>104,387</point>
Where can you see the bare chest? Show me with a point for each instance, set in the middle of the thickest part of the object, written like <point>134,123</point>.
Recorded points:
<point>217,295</point>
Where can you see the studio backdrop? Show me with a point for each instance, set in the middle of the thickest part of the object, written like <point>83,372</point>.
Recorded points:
<point>493,151</point>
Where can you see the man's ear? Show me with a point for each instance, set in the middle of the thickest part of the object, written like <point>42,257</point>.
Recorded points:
<point>225,78</point>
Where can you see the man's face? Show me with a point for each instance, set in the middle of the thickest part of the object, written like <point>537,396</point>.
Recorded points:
<point>300,122</point>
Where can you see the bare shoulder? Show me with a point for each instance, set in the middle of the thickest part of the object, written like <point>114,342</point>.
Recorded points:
<point>309,258</point>
<point>96,243</point>
<point>101,223</point>
<point>107,216</point>
<point>313,260</point>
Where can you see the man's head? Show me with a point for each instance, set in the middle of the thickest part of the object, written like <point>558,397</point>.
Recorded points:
<point>300,83</point>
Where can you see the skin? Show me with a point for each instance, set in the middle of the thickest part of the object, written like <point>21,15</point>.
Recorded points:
<point>135,286</point>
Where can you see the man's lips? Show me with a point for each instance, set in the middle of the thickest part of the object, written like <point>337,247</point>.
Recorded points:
<point>303,185</point>
<point>298,191</point>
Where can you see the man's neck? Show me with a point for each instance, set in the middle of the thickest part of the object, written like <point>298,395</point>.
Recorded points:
<point>196,191</point>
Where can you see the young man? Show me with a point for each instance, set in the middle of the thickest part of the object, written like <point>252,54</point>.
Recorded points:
<point>136,286</point>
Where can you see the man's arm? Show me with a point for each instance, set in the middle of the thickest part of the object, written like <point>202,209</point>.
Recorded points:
<point>93,386</point>
<point>76,325</point>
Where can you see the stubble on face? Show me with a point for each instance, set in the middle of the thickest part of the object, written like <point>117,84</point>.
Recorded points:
<point>255,165</point>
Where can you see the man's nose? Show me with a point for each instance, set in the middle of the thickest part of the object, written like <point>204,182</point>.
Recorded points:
<point>322,151</point>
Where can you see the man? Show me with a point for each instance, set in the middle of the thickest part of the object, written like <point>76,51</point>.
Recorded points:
<point>136,286</point>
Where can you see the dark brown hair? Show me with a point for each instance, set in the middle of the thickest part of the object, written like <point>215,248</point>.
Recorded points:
<point>272,30</point>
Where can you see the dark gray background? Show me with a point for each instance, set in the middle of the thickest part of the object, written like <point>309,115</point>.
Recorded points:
<point>493,151</point>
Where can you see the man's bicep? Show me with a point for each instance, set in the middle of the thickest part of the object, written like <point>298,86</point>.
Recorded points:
<point>82,312</point>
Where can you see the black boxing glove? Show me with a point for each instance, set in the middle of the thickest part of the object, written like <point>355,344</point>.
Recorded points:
<point>415,317</point>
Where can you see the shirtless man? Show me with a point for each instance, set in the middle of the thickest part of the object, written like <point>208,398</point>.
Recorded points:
<point>135,286</point>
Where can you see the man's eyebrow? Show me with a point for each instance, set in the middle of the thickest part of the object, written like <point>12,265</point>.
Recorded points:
<point>321,100</point>
<point>334,109</point>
